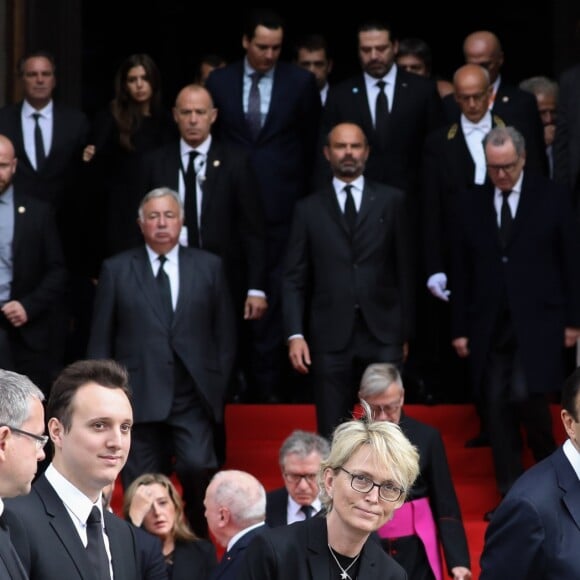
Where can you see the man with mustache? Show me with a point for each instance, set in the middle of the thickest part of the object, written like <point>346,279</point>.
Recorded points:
<point>347,286</point>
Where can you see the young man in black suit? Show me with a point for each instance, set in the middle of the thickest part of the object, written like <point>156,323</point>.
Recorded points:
<point>60,530</point>
<point>164,311</point>
<point>278,128</point>
<point>347,291</point>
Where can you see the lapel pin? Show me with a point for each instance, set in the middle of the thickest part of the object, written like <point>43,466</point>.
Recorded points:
<point>505,99</point>
<point>21,209</point>
<point>216,163</point>
<point>355,90</point>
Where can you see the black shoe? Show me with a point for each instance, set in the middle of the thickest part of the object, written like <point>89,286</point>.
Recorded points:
<point>480,440</point>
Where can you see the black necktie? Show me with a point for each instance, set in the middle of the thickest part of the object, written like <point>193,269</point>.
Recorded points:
<point>190,202</point>
<point>381,113</point>
<point>96,546</point>
<point>165,289</point>
<point>254,115</point>
<point>506,219</point>
<point>38,143</point>
<point>349,208</point>
<point>308,511</point>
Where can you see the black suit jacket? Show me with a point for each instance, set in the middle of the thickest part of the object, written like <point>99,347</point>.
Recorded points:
<point>283,153</point>
<point>537,275</point>
<point>535,531</point>
<point>301,551</point>
<point>416,111</point>
<point>61,170</point>
<point>277,507</point>
<point>232,216</point>
<point>49,545</point>
<point>193,559</point>
<point>520,109</point>
<point>11,567</point>
<point>231,562</point>
<point>448,169</point>
<point>129,325</point>
<point>331,276</point>
<point>39,275</point>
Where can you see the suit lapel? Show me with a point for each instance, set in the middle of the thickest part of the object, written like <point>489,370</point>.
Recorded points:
<point>120,551</point>
<point>524,211</point>
<point>187,282</point>
<point>19,137</point>
<point>146,281</point>
<point>334,210</point>
<point>367,202</point>
<point>172,166</point>
<point>361,102</point>
<point>10,558</point>
<point>569,483</point>
<point>212,168</point>
<point>61,523</point>
<point>317,547</point>
<point>19,216</point>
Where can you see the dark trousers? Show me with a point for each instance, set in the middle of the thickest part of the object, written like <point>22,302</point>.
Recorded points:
<point>184,444</point>
<point>508,406</point>
<point>336,375</point>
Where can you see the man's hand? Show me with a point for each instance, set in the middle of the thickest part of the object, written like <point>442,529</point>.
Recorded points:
<point>15,313</point>
<point>255,307</point>
<point>571,335</point>
<point>461,346</point>
<point>299,355</point>
<point>437,284</point>
<point>461,573</point>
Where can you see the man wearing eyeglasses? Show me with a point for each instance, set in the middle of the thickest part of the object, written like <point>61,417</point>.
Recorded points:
<point>511,103</point>
<point>431,512</point>
<point>516,303</point>
<point>21,448</point>
<point>300,456</point>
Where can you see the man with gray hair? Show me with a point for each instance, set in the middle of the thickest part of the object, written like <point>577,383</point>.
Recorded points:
<point>164,311</point>
<point>21,448</point>
<point>300,456</point>
<point>235,508</point>
<point>430,518</point>
<point>516,303</point>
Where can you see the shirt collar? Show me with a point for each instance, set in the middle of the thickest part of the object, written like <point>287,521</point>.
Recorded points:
<point>8,196</point>
<point>483,125</point>
<point>74,499</point>
<point>172,255</point>
<point>248,70</point>
<point>202,148</point>
<point>517,188</point>
<point>339,185</point>
<point>390,78</point>
<point>28,110</point>
<point>295,506</point>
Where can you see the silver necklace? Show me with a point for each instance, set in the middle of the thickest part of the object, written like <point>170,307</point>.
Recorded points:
<point>344,571</point>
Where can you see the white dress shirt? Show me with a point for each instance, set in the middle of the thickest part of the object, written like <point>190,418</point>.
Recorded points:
<point>171,268</point>
<point>372,90</point>
<point>474,134</point>
<point>28,125</point>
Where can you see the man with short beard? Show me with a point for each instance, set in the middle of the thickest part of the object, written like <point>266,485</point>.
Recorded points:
<point>347,286</point>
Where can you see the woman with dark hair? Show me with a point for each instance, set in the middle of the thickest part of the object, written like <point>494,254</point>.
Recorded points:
<point>134,124</point>
<point>153,503</point>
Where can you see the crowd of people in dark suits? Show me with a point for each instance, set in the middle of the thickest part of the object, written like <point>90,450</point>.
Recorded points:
<point>272,236</point>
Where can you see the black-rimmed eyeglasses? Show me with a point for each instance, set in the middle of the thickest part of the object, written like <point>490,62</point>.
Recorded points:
<point>363,484</point>
<point>40,440</point>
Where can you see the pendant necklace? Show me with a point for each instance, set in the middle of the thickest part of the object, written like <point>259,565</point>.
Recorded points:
<point>344,571</point>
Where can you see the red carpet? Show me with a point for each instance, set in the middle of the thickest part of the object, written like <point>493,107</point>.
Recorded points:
<point>255,433</point>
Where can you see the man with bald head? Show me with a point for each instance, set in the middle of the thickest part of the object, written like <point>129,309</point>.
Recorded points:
<point>235,510</point>
<point>453,159</point>
<point>515,106</point>
<point>347,286</point>
<point>220,193</point>
<point>32,277</point>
